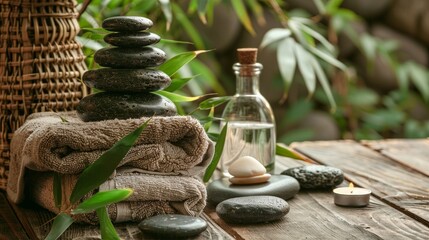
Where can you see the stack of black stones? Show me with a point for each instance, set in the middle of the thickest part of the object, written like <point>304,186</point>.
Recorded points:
<point>129,76</point>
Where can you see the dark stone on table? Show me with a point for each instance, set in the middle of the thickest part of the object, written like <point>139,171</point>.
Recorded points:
<point>130,57</point>
<point>111,105</point>
<point>316,176</point>
<point>127,23</point>
<point>132,39</point>
<point>253,209</point>
<point>173,225</point>
<point>126,80</point>
<point>281,186</point>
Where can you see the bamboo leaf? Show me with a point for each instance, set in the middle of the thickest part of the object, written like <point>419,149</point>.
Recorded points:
<point>57,190</point>
<point>419,77</point>
<point>241,11</point>
<point>103,167</point>
<point>100,31</point>
<point>172,65</point>
<point>320,6</point>
<point>208,124</point>
<point>217,154</point>
<point>319,38</point>
<point>188,26</point>
<point>275,35</point>
<point>285,151</point>
<point>102,199</point>
<point>287,61</point>
<point>328,58</point>
<point>257,10</point>
<point>305,67</point>
<point>369,46</point>
<point>177,98</point>
<point>213,102</point>
<point>108,231</point>
<point>333,5</point>
<point>202,8</point>
<point>324,82</point>
<point>402,73</point>
<point>61,222</point>
<point>177,83</point>
<point>166,10</point>
<point>174,41</point>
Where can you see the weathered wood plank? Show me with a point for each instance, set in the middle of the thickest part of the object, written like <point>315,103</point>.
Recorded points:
<point>413,153</point>
<point>402,187</point>
<point>39,223</point>
<point>10,227</point>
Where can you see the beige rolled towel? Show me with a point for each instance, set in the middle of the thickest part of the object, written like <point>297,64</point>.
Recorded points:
<point>153,194</point>
<point>169,145</point>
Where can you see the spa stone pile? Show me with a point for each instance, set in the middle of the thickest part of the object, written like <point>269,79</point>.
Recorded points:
<point>129,76</point>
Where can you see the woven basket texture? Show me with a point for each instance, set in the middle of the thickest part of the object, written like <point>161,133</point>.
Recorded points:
<point>40,64</point>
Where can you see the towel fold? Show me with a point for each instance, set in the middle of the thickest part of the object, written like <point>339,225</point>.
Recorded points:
<point>168,146</point>
<point>153,194</point>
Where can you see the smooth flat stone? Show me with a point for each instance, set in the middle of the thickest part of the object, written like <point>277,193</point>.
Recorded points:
<point>127,23</point>
<point>111,105</point>
<point>250,180</point>
<point>316,176</point>
<point>126,80</point>
<point>173,225</point>
<point>253,209</point>
<point>130,57</point>
<point>281,186</point>
<point>246,166</point>
<point>132,39</point>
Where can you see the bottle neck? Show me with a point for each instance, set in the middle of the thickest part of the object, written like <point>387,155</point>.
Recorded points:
<point>247,76</point>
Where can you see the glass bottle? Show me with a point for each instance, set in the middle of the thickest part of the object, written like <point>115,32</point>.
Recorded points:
<point>251,125</point>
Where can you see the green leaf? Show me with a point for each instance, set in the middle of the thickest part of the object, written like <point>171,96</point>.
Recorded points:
<point>241,11</point>
<point>324,82</point>
<point>320,6</point>
<point>174,41</point>
<point>176,98</point>
<point>287,61</point>
<point>369,46</point>
<point>202,8</point>
<point>419,77</point>
<point>285,151</point>
<point>208,124</point>
<point>217,154</point>
<point>57,190</point>
<point>275,35</point>
<point>98,172</point>
<point>177,83</point>
<point>213,136</point>
<point>402,73</point>
<point>319,38</point>
<point>102,199</point>
<point>61,222</point>
<point>166,10</point>
<point>257,10</point>
<point>213,102</point>
<point>100,31</point>
<point>333,5</point>
<point>89,43</point>
<point>305,67</point>
<point>328,58</point>
<point>172,65</point>
<point>188,26</point>
<point>108,231</point>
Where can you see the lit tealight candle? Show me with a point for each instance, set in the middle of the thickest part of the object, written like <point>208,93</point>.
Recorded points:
<point>351,196</point>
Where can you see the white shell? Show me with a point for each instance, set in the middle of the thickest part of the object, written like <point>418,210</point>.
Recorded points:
<point>246,166</point>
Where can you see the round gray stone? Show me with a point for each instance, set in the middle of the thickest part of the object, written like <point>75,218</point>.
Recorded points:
<point>132,39</point>
<point>130,57</point>
<point>127,24</point>
<point>281,186</point>
<point>126,80</point>
<point>111,105</point>
<point>173,225</point>
<point>316,176</point>
<point>252,209</point>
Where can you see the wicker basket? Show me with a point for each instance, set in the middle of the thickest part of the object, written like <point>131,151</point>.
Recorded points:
<point>40,64</point>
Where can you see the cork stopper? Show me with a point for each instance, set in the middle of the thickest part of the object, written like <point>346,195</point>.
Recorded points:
<point>247,55</point>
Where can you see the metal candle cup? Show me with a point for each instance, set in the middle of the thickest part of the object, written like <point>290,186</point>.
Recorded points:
<point>351,197</point>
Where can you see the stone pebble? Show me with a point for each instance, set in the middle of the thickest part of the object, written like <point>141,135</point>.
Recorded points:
<point>316,176</point>
<point>126,80</point>
<point>112,105</point>
<point>132,39</point>
<point>173,225</point>
<point>252,209</point>
<point>127,24</point>
<point>246,166</point>
<point>143,57</point>
<point>281,186</point>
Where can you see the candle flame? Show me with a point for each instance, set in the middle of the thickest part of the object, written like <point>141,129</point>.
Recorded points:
<point>351,187</point>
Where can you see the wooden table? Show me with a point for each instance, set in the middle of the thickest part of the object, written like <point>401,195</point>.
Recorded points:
<point>397,172</point>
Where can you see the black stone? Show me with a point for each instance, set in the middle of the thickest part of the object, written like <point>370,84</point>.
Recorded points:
<point>253,209</point>
<point>127,23</point>
<point>126,80</point>
<point>132,39</point>
<point>111,105</point>
<point>316,176</point>
<point>173,225</point>
<point>130,57</point>
<point>281,186</point>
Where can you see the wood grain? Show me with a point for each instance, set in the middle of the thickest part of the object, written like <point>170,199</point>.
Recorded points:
<point>403,188</point>
<point>10,227</point>
<point>413,153</point>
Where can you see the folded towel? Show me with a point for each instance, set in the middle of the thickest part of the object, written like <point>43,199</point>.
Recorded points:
<point>168,145</point>
<point>153,194</point>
